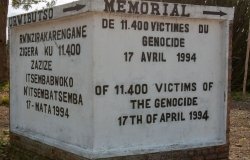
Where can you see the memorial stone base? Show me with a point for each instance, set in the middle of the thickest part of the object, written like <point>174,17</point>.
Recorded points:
<point>23,148</point>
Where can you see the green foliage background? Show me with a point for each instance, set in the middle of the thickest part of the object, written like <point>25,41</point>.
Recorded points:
<point>27,4</point>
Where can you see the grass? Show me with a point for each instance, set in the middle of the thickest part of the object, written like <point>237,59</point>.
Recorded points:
<point>4,94</point>
<point>238,96</point>
<point>4,87</point>
<point>4,144</point>
<point>5,100</point>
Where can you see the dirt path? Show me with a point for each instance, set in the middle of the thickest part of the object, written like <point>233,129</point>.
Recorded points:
<point>4,118</point>
<point>239,131</point>
<point>4,128</point>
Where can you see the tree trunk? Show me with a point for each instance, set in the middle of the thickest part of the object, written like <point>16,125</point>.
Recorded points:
<point>246,63</point>
<point>4,56</point>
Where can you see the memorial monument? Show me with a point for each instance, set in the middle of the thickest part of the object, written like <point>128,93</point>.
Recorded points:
<point>110,78</point>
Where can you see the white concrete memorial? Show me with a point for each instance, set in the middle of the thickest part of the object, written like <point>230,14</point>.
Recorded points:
<point>105,78</point>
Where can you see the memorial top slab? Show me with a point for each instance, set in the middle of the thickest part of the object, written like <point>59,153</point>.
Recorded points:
<point>124,7</point>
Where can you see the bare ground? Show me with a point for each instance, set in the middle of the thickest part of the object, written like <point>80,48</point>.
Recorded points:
<point>4,132</point>
<point>239,131</point>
